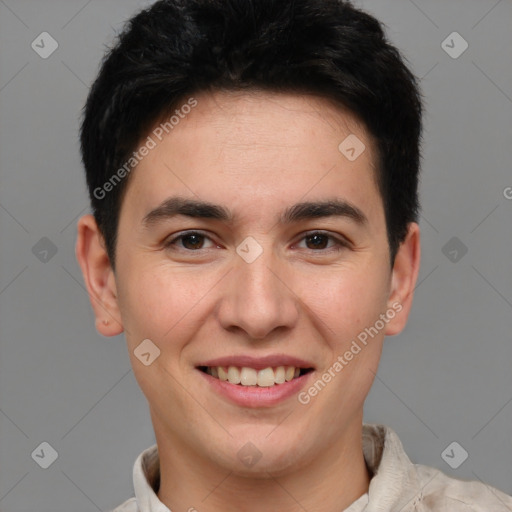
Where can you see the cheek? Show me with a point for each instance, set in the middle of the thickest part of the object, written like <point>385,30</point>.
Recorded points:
<point>348,300</point>
<point>155,302</point>
<point>159,304</point>
<point>351,304</point>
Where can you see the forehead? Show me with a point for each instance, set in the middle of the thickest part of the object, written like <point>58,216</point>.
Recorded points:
<point>255,148</point>
<point>255,121</point>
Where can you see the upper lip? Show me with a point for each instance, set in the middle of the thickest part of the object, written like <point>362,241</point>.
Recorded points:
<point>258,363</point>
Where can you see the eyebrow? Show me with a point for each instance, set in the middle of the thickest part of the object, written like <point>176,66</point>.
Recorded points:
<point>174,206</point>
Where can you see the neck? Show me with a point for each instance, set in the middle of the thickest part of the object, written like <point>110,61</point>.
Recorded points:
<point>329,483</point>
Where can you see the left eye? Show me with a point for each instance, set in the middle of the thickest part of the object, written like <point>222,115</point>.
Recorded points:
<point>319,241</point>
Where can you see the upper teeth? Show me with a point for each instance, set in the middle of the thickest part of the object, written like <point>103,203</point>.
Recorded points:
<point>251,377</point>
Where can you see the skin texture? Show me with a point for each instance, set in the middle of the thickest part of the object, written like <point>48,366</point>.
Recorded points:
<point>256,154</point>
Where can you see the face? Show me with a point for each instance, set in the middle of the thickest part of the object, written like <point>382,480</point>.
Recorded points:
<point>250,244</point>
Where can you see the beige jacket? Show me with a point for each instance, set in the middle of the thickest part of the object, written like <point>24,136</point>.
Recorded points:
<point>397,484</point>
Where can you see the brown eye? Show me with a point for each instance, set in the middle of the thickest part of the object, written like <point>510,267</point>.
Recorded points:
<point>317,241</point>
<point>191,241</point>
<point>323,242</point>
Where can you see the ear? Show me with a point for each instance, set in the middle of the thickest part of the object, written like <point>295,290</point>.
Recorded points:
<point>403,279</point>
<point>98,276</point>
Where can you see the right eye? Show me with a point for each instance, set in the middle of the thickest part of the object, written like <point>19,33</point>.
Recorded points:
<point>188,241</point>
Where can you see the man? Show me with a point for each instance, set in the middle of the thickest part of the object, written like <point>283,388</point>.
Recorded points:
<point>253,172</point>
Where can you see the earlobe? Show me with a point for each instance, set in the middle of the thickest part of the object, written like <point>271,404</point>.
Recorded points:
<point>403,279</point>
<point>98,277</point>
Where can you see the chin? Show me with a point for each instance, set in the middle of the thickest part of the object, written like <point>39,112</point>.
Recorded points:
<point>262,456</point>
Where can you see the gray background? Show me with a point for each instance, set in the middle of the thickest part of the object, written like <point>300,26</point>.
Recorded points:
<point>445,378</point>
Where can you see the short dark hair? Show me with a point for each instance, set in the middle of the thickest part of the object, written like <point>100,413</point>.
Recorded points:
<point>177,48</point>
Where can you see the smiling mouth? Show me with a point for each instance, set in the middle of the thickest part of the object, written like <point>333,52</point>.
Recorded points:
<point>245,376</point>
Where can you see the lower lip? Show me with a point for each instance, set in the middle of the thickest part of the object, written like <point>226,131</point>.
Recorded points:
<point>255,396</point>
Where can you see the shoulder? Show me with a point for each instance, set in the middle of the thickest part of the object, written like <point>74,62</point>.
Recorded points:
<point>442,492</point>
<point>128,506</point>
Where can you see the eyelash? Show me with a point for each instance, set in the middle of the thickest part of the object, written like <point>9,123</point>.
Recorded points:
<point>340,244</point>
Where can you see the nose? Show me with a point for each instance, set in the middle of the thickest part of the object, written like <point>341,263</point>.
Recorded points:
<point>258,299</point>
